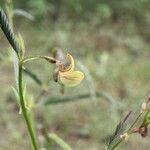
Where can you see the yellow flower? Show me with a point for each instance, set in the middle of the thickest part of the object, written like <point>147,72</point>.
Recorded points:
<point>67,75</point>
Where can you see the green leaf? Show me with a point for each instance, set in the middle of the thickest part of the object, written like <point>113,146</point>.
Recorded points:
<point>6,28</point>
<point>20,40</point>
<point>63,145</point>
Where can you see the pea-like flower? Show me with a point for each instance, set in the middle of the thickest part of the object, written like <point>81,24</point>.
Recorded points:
<point>67,75</point>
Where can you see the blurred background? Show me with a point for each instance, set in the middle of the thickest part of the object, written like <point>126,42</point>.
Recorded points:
<point>110,41</point>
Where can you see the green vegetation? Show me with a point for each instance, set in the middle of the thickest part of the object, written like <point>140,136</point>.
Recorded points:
<point>110,42</point>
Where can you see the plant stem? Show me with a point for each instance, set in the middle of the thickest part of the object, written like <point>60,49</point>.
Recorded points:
<point>23,107</point>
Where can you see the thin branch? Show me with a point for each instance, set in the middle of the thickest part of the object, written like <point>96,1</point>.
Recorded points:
<point>57,100</point>
<point>33,76</point>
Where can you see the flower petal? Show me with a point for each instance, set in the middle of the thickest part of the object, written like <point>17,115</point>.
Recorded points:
<point>71,66</point>
<point>72,79</point>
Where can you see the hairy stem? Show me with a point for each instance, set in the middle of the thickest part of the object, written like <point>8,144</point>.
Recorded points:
<point>24,111</point>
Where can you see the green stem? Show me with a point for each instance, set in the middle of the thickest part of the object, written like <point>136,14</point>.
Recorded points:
<point>49,59</point>
<point>24,111</point>
<point>45,135</point>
